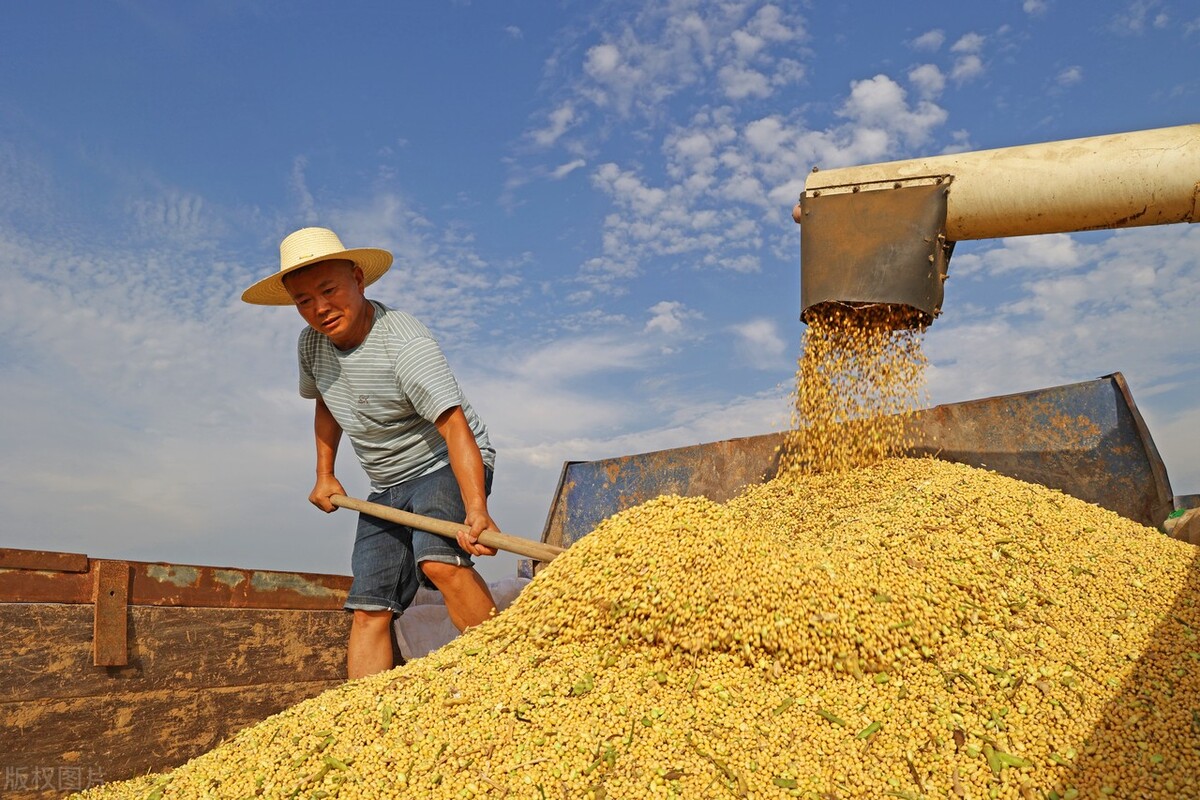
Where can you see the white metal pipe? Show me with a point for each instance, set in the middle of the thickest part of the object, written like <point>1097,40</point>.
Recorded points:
<point>1116,181</point>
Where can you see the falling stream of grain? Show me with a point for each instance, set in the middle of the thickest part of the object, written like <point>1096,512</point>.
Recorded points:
<point>859,377</point>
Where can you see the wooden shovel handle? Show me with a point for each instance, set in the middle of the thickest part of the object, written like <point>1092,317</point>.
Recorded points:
<point>501,541</point>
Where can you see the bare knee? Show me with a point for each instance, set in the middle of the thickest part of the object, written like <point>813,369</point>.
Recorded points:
<point>441,573</point>
<point>371,620</point>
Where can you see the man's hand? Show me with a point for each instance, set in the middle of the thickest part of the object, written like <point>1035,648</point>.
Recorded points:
<point>477,522</point>
<point>327,486</point>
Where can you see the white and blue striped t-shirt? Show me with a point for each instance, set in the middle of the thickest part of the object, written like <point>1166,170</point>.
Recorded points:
<point>386,394</point>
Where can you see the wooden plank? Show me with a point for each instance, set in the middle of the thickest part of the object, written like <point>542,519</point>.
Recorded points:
<point>124,734</point>
<point>184,585</point>
<point>48,649</point>
<point>12,558</point>
<point>109,612</point>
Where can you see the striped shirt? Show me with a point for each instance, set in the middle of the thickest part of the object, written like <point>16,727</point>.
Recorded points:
<point>386,394</point>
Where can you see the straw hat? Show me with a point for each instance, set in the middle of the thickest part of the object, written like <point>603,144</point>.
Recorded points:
<point>308,246</point>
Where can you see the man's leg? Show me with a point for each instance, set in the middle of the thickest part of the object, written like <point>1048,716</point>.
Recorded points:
<point>385,581</point>
<point>370,649</point>
<point>468,600</point>
<point>443,562</point>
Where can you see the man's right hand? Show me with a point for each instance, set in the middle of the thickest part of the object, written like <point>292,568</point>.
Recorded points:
<point>327,486</point>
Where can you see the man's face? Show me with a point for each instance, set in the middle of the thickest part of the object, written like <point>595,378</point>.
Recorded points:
<point>329,295</point>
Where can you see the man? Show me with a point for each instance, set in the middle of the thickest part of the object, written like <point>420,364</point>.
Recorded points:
<point>377,375</point>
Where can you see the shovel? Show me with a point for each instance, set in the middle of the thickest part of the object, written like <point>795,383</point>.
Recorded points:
<point>501,541</point>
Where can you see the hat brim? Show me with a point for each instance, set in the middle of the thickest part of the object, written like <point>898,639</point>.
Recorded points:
<point>270,291</point>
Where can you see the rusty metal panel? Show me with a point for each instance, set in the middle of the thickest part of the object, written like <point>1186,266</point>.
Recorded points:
<point>885,246</point>
<point>110,631</point>
<point>159,584</point>
<point>46,586</point>
<point>1085,439</point>
<point>11,558</point>
<point>590,491</point>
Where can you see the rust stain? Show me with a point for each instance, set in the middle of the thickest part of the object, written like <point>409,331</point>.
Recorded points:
<point>173,574</point>
<point>276,581</point>
<point>1121,222</point>
<point>1066,431</point>
<point>229,577</point>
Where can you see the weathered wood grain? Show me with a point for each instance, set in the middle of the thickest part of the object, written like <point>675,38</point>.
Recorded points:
<point>45,744</point>
<point>48,650</point>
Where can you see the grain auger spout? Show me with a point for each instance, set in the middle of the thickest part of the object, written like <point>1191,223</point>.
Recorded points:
<point>881,235</point>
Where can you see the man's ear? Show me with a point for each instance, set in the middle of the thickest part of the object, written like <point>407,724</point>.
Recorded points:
<point>359,278</point>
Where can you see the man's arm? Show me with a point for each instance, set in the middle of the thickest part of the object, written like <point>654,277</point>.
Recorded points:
<point>328,434</point>
<point>467,464</point>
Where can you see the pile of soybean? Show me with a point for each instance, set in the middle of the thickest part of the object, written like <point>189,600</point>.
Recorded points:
<point>909,629</point>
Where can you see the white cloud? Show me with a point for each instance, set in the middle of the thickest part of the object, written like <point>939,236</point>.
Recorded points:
<point>670,317</point>
<point>968,64</point>
<point>738,82</point>
<point>968,43</point>
<point>929,41</point>
<point>960,142</point>
<point>771,24</point>
<point>299,186</point>
<point>676,46</point>
<point>881,104</point>
<point>1137,15</point>
<point>1079,311</point>
<point>1034,7</point>
<point>1056,251</point>
<point>173,215</point>
<point>561,120</point>
<point>154,369</point>
<point>1069,76</point>
<point>602,61</point>
<point>758,342</point>
<point>566,169</point>
<point>546,391</point>
<point>754,71</point>
<point>614,84</point>
<point>729,181</point>
<point>628,190</point>
<point>966,68</point>
<point>1175,437</point>
<point>27,188</point>
<point>928,80</point>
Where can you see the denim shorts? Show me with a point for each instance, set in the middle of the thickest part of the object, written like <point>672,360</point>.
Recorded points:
<point>386,555</point>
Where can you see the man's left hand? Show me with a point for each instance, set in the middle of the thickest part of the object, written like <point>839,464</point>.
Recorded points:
<point>468,539</point>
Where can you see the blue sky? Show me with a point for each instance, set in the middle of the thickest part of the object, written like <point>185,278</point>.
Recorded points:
<point>589,203</point>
